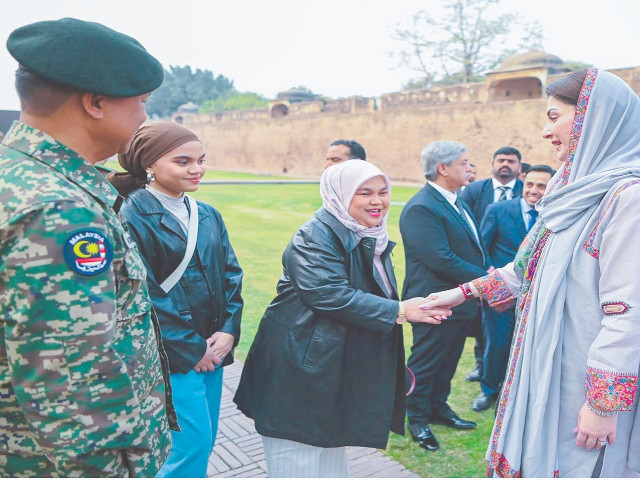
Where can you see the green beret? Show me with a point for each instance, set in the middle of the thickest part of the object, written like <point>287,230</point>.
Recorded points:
<point>86,56</point>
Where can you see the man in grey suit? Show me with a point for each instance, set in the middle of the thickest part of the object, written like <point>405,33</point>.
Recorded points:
<point>442,249</point>
<point>503,228</point>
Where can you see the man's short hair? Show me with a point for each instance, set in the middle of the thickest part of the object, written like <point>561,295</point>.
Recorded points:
<point>508,151</point>
<point>355,149</point>
<point>542,168</point>
<point>435,153</point>
<point>524,167</point>
<point>39,95</point>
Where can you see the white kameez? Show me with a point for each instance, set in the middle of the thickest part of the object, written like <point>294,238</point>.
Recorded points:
<point>591,339</point>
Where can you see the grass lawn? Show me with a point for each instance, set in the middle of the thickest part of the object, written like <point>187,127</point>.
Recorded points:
<point>261,220</point>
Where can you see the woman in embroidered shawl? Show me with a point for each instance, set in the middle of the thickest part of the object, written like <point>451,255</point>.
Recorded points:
<point>568,406</point>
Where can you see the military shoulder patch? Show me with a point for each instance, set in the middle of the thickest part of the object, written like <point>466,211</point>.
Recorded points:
<point>88,252</point>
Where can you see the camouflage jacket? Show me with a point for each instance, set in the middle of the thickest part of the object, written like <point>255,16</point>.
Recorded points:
<point>81,384</point>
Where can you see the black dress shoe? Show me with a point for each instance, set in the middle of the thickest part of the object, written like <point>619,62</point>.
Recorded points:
<point>450,419</point>
<point>473,375</point>
<point>483,402</point>
<point>425,438</point>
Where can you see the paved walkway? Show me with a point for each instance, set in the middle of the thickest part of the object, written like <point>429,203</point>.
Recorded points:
<point>238,451</point>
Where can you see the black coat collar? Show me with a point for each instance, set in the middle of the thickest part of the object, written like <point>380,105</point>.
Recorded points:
<point>148,204</point>
<point>349,239</point>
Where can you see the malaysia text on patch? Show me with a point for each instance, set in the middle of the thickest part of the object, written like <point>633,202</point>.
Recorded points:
<point>88,252</point>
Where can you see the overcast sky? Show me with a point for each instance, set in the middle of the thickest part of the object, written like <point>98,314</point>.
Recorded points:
<point>337,48</point>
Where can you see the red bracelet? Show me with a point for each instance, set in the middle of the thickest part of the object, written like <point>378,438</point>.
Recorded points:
<point>466,291</point>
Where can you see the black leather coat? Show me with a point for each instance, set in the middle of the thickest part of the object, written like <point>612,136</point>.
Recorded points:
<point>326,367</point>
<point>207,299</point>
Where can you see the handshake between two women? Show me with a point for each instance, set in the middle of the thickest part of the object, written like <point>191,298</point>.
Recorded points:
<point>436,307</point>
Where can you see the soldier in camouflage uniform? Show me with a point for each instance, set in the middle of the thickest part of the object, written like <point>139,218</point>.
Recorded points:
<point>81,379</point>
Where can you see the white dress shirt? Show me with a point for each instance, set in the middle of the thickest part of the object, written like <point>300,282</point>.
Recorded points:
<point>526,208</point>
<point>451,197</point>
<point>496,191</point>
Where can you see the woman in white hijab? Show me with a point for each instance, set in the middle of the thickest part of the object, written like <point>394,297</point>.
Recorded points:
<point>326,368</point>
<point>569,402</point>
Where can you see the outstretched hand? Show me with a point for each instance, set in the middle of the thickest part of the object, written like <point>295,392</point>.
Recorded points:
<point>445,299</point>
<point>416,314</point>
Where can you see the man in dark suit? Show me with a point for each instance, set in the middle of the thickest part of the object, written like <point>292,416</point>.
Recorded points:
<point>503,228</point>
<point>442,249</point>
<point>504,185</point>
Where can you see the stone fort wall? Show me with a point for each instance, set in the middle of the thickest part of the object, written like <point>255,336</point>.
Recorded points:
<point>393,129</point>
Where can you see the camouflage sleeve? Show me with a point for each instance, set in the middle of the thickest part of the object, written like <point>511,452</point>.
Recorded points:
<point>72,387</point>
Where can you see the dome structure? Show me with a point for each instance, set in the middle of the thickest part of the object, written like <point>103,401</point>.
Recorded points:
<point>296,95</point>
<point>188,107</point>
<point>533,59</point>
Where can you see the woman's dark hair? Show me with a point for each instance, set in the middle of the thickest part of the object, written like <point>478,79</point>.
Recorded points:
<point>567,89</point>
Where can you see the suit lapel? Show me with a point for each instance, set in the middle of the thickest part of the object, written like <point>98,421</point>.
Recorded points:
<point>170,222</point>
<point>369,247</point>
<point>456,214</point>
<point>388,268</point>
<point>473,237</point>
<point>487,193</point>
<point>516,213</point>
<point>517,189</point>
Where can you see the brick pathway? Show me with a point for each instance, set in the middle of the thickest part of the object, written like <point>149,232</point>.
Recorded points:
<point>238,451</point>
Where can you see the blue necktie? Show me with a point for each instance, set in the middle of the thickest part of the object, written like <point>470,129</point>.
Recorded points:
<point>503,193</point>
<point>533,214</point>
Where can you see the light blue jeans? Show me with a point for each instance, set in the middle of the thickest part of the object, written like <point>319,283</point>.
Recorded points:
<point>196,397</point>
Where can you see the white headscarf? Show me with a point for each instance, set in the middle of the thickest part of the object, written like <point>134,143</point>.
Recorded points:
<point>338,186</point>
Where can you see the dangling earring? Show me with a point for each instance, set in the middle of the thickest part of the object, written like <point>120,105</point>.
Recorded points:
<point>151,177</point>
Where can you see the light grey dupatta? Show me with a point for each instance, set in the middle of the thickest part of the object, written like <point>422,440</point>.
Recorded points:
<point>605,149</point>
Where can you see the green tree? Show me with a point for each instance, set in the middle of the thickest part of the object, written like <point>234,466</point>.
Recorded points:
<point>234,101</point>
<point>463,43</point>
<point>182,85</point>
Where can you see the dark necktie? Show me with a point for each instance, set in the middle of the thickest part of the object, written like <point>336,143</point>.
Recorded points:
<point>533,214</point>
<point>464,217</point>
<point>503,193</point>
<point>473,232</point>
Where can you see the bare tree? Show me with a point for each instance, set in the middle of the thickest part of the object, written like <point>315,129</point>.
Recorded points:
<point>463,43</point>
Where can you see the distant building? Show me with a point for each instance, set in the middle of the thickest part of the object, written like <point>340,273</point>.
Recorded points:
<point>188,108</point>
<point>281,105</point>
<point>523,76</point>
<point>507,108</point>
